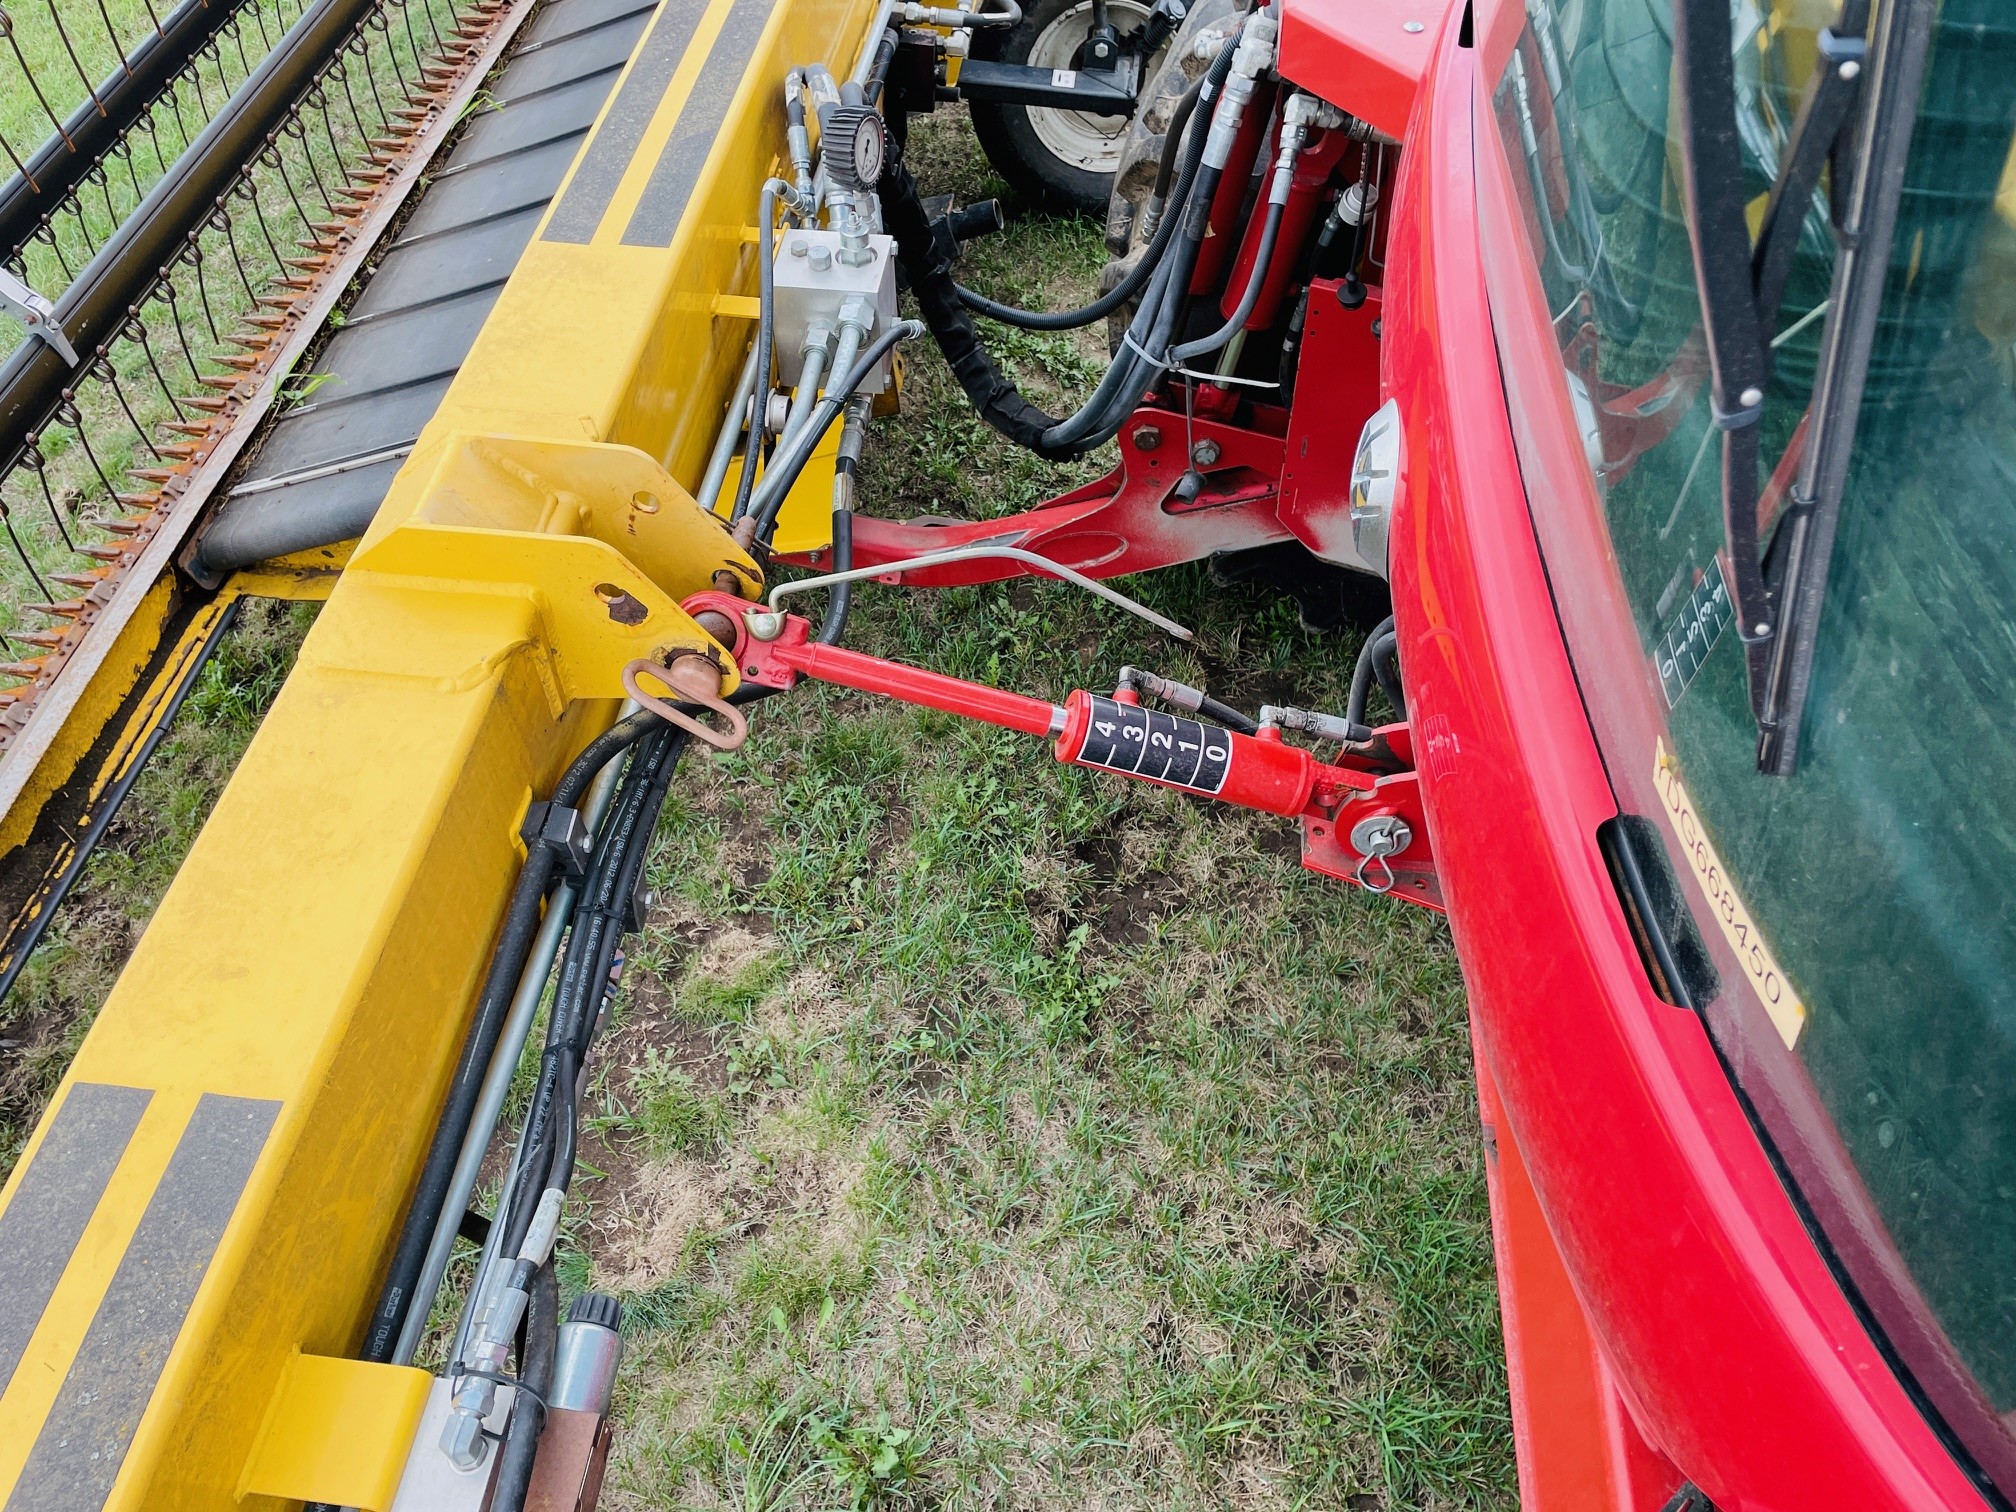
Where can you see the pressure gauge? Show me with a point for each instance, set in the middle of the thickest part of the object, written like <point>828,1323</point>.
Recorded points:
<point>855,142</point>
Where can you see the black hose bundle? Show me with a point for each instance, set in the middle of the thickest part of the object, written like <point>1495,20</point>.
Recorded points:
<point>500,984</point>
<point>547,1155</point>
<point>599,921</point>
<point>992,393</point>
<point>1173,151</point>
<point>1162,277</point>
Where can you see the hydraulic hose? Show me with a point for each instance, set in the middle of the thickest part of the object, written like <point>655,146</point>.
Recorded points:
<point>1226,715</point>
<point>548,1160</point>
<point>1270,231</point>
<point>528,1404</point>
<point>792,456</point>
<point>766,335</point>
<point>528,1162</point>
<point>500,983</point>
<point>841,598</point>
<point>1137,367</point>
<point>991,393</point>
<point>1179,122</point>
<point>1363,672</point>
<point>1144,267</point>
<point>1386,668</point>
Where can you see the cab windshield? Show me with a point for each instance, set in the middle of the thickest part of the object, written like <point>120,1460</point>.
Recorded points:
<point>1857,917</point>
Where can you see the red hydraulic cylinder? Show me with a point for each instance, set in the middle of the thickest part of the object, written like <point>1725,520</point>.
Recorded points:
<point>871,674</point>
<point>1250,771</point>
<point>1305,201</point>
<point>1233,186</point>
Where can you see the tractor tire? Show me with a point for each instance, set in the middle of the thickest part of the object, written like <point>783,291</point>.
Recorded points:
<point>1058,161</point>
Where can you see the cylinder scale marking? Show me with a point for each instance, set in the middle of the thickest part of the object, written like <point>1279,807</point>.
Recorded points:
<point>1148,743</point>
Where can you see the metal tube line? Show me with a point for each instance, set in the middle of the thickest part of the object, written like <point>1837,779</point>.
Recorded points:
<point>1042,564</point>
<point>497,1080</point>
<point>865,63</point>
<point>806,395</point>
<point>731,432</point>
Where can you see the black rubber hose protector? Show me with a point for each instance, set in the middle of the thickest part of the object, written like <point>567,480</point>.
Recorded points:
<point>993,393</point>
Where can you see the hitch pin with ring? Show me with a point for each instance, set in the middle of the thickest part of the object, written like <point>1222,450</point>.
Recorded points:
<point>1376,837</point>
<point>691,677</point>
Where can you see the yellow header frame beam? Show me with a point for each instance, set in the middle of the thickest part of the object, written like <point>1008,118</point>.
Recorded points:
<point>216,1188</point>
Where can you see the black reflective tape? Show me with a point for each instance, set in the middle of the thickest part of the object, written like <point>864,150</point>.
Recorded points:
<point>1148,743</point>
<point>686,152</point>
<point>586,198</point>
<point>59,1192</point>
<point>84,1439</point>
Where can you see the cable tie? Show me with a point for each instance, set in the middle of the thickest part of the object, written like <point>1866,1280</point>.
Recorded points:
<point>1184,372</point>
<point>1160,364</point>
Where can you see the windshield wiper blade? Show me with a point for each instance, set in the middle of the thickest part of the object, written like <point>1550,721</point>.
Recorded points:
<point>1772,596</point>
<point>1804,544</point>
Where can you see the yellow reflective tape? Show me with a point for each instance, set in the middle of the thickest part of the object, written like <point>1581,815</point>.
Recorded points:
<point>1767,978</point>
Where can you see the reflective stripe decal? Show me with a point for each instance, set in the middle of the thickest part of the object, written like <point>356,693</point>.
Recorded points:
<point>586,198</point>
<point>686,150</point>
<point>59,1192</point>
<point>83,1442</point>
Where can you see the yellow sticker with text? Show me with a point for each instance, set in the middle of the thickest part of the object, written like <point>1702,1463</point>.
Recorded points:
<point>1767,977</point>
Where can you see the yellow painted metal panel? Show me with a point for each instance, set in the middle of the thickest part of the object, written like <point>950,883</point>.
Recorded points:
<point>338,1431</point>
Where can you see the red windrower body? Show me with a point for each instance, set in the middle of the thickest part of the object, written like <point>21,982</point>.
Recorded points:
<point>1668,1317</point>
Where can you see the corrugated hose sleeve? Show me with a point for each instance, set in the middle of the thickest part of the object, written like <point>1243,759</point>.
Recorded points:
<point>991,392</point>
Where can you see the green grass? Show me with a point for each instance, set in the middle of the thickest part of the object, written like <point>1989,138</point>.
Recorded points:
<point>986,1133</point>
<point>976,1132</point>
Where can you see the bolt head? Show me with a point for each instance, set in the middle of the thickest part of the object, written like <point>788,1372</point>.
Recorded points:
<point>1750,398</point>
<point>1413,26</point>
<point>764,624</point>
<point>798,246</point>
<point>1851,69</point>
<point>1147,437</point>
<point>1763,627</point>
<point>1205,453</point>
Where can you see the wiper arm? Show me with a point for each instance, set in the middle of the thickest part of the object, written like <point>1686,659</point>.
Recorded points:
<point>1775,597</point>
<point>1804,543</point>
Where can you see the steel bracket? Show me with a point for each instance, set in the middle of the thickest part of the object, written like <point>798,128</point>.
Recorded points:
<point>36,313</point>
<point>599,535</point>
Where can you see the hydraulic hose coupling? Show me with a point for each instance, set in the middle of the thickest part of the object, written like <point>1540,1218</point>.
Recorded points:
<point>1251,58</point>
<point>1309,722</point>
<point>805,198</point>
<point>1303,114</point>
<point>489,1348</point>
